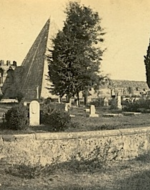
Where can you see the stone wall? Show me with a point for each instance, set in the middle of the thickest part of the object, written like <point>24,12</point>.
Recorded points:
<point>48,148</point>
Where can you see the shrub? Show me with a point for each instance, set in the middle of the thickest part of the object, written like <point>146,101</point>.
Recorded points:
<point>97,102</point>
<point>17,118</point>
<point>20,96</point>
<point>137,105</point>
<point>57,120</point>
<point>45,110</point>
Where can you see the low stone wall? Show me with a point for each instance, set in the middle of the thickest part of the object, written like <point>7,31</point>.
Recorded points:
<point>48,148</point>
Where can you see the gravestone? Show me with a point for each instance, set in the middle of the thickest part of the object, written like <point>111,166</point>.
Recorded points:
<point>25,103</point>
<point>93,112</point>
<point>113,93</point>
<point>37,92</point>
<point>113,103</point>
<point>34,113</point>
<point>59,100</point>
<point>67,107</point>
<point>106,102</point>
<point>118,102</point>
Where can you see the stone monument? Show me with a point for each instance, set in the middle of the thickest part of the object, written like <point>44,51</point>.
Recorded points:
<point>106,102</point>
<point>34,113</point>
<point>93,112</point>
<point>67,107</point>
<point>118,102</point>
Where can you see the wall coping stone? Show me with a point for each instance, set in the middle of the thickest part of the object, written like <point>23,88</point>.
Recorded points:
<point>74,135</point>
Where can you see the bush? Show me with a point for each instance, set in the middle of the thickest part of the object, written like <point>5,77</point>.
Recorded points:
<point>57,120</point>
<point>20,96</point>
<point>137,105</point>
<point>97,102</point>
<point>45,110</point>
<point>17,118</point>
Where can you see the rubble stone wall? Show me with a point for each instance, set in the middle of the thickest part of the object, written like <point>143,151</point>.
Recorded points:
<point>48,148</point>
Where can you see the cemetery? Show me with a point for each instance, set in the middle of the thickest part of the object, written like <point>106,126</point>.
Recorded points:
<point>63,122</point>
<point>99,135</point>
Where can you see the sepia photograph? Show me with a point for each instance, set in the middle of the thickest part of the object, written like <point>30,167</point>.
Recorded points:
<point>74,95</point>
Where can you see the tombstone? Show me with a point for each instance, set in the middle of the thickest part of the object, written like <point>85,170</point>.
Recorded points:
<point>8,63</point>
<point>67,107</point>
<point>106,102</point>
<point>34,113</point>
<point>93,112</point>
<point>87,110</point>
<point>118,102</point>
<point>113,93</point>
<point>2,62</point>
<point>37,92</point>
<point>59,100</point>
<point>25,103</point>
<point>113,103</point>
<point>76,102</point>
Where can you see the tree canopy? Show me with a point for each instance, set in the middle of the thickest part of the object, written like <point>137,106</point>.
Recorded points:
<point>74,60</point>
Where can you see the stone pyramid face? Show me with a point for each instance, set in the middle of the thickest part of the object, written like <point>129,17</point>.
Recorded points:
<point>31,78</point>
<point>33,65</point>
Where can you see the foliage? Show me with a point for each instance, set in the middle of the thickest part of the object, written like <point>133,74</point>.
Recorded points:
<point>57,120</point>
<point>1,96</point>
<point>74,62</point>
<point>137,105</point>
<point>98,102</point>
<point>47,100</point>
<point>147,65</point>
<point>17,118</point>
<point>46,109</point>
<point>55,117</point>
<point>20,96</point>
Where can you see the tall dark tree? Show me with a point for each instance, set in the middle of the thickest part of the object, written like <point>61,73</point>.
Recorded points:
<point>147,65</point>
<point>74,61</point>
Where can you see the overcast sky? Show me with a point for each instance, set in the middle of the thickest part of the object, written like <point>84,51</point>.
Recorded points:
<point>127,26</point>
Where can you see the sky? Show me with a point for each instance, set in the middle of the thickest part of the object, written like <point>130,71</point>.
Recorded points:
<point>126,23</point>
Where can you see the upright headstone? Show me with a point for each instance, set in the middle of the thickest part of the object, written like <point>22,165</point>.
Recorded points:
<point>34,113</point>
<point>25,103</point>
<point>113,93</point>
<point>8,63</point>
<point>67,107</point>
<point>93,112</point>
<point>59,100</point>
<point>118,102</point>
<point>106,102</point>
<point>37,92</point>
<point>77,103</point>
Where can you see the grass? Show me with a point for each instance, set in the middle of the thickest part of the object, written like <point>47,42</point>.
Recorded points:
<point>85,174</point>
<point>107,123</point>
<point>84,123</point>
<point>75,175</point>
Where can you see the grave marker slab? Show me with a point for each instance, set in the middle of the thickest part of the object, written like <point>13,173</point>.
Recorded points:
<point>93,112</point>
<point>34,113</point>
<point>106,102</point>
<point>118,102</point>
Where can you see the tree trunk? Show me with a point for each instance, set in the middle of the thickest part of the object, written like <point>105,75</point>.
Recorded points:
<point>85,97</point>
<point>78,99</point>
<point>68,98</point>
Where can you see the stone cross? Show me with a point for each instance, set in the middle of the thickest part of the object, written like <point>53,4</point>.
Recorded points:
<point>93,112</point>
<point>34,113</point>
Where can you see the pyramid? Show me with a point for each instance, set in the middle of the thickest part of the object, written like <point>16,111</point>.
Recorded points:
<point>31,78</point>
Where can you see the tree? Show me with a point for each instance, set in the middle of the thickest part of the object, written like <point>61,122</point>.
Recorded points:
<point>74,61</point>
<point>147,65</point>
